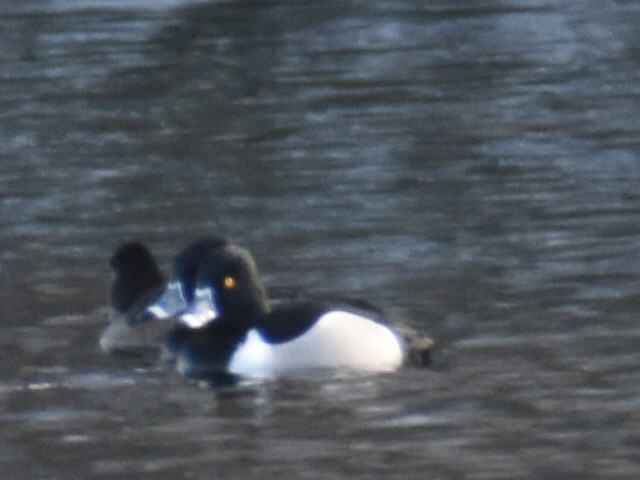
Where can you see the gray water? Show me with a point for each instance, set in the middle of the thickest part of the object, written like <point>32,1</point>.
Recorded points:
<point>471,166</point>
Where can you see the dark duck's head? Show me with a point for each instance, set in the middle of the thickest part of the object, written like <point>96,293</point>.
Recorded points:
<point>227,290</point>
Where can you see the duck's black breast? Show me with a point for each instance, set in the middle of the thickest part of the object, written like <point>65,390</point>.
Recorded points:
<point>205,349</point>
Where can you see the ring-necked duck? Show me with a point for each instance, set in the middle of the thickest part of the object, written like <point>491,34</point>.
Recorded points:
<point>232,326</point>
<point>179,292</point>
<point>138,282</point>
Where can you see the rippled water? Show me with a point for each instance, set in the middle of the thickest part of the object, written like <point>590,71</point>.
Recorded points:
<point>472,166</point>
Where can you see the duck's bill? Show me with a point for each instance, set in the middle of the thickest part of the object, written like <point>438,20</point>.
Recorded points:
<point>202,310</point>
<point>171,303</point>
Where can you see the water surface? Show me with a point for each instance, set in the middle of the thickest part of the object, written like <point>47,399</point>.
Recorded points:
<point>472,166</point>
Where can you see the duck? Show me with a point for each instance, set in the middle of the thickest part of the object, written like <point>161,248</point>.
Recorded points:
<point>231,325</point>
<point>138,282</point>
<point>179,291</point>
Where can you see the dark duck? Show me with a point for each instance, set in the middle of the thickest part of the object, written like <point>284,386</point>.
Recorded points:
<point>225,321</point>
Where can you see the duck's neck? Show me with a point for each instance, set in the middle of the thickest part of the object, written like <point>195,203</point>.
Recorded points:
<point>252,309</point>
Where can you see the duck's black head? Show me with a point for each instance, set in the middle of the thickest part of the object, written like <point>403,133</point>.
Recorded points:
<point>180,290</point>
<point>187,263</point>
<point>137,275</point>
<point>228,289</point>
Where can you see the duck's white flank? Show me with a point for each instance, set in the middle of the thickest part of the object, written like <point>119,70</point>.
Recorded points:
<point>338,339</point>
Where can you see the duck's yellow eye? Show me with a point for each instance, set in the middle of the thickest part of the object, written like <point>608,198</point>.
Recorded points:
<point>229,282</point>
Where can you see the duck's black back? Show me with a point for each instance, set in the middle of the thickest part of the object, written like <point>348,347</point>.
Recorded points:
<point>288,320</point>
